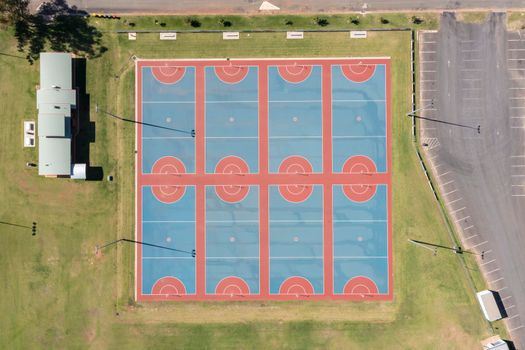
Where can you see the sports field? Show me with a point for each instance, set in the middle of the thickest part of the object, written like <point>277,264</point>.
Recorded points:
<point>270,178</point>
<point>58,294</point>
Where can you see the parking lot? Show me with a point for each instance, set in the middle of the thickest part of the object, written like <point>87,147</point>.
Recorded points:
<point>472,88</point>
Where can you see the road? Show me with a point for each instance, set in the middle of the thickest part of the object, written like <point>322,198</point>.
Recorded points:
<point>475,75</point>
<point>251,6</point>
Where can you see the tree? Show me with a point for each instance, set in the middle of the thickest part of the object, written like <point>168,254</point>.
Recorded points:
<point>57,26</point>
<point>12,11</point>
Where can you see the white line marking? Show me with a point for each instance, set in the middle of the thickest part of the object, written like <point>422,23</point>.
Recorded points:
<point>451,181</point>
<point>518,195</point>
<point>488,262</point>
<point>446,194</point>
<point>515,329</point>
<point>477,245</point>
<point>495,281</point>
<point>455,211</point>
<point>497,269</point>
<point>466,239</point>
<point>466,217</point>
<point>455,200</point>
<point>513,317</point>
<point>160,221</point>
<point>443,174</point>
<point>427,51</point>
<point>499,290</point>
<point>503,299</point>
<point>468,228</point>
<point>510,307</point>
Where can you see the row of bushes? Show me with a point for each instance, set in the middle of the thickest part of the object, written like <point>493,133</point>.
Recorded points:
<point>320,21</point>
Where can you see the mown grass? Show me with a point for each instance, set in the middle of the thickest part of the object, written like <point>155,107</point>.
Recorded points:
<point>274,22</point>
<point>56,294</point>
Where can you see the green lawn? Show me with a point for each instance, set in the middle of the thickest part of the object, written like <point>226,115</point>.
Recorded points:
<point>57,294</point>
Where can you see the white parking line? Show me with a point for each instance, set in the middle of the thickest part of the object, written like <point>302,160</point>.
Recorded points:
<point>510,307</point>
<point>427,51</point>
<point>488,251</point>
<point>493,271</point>
<point>513,317</point>
<point>503,299</point>
<point>477,245</point>
<point>518,195</point>
<point>455,211</point>
<point>466,239</point>
<point>466,217</point>
<point>446,194</point>
<point>499,290</point>
<point>495,281</point>
<point>451,181</point>
<point>443,174</point>
<point>468,228</point>
<point>515,329</point>
<point>488,262</point>
<point>456,200</point>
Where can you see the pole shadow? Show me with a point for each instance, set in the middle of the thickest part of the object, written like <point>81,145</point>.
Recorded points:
<point>83,128</point>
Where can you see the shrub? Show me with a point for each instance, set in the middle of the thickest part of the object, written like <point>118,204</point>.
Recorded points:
<point>417,20</point>
<point>355,21</point>
<point>320,21</point>
<point>225,23</point>
<point>384,20</point>
<point>192,21</point>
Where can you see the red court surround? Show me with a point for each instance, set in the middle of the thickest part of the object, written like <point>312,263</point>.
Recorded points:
<point>232,179</point>
<point>168,286</point>
<point>168,74</point>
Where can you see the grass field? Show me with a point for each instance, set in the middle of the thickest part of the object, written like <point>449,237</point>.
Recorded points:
<point>57,294</point>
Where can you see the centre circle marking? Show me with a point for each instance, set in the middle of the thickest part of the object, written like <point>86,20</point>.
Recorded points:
<point>168,166</point>
<point>359,165</point>
<point>295,192</point>
<point>235,166</point>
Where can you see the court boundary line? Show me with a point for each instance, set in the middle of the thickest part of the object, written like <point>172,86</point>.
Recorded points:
<point>325,61</point>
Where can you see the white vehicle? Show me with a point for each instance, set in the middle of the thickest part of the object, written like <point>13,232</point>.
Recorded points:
<point>488,304</point>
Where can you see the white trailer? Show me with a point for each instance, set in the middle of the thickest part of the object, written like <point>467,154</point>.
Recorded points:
<point>488,304</point>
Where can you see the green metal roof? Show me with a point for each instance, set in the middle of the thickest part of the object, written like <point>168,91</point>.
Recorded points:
<point>54,125</point>
<point>55,70</point>
<point>54,156</point>
<point>54,101</point>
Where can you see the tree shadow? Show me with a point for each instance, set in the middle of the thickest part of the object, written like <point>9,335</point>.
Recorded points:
<point>59,27</point>
<point>83,127</point>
